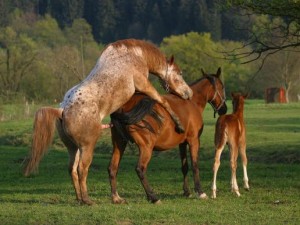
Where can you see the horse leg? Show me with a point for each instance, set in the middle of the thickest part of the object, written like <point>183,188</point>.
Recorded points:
<point>233,164</point>
<point>194,150</point>
<point>218,152</point>
<point>73,158</point>
<point>141,170</point>
<point>244,162</point>
<point>119,146</point>
<point>144,85</point>
<point>184,169</point>
<point>85,160</point>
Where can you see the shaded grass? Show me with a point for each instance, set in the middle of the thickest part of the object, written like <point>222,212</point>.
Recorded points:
<point>48,198</point>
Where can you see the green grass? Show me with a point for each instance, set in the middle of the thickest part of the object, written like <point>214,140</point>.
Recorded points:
<point>273,133</point>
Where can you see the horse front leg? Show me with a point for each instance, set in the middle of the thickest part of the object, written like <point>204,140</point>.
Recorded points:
<point>184,169</point>
<point>144,85</point>
<point>194,149</point>
<point>119,146</point>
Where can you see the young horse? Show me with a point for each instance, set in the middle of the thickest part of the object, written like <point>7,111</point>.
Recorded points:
<point>122,68</point>
<point>231,129</point>
<point>160,134</point>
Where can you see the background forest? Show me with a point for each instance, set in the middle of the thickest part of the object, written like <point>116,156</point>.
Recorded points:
<point>47,46</point>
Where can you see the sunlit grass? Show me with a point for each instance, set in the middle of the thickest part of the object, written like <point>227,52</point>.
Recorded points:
<point>273,133</point>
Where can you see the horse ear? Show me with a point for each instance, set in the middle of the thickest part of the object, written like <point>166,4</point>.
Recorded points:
<point>203,73</point>
<point>246,95</point>
<point>218,72</point>
<point>171,61</point>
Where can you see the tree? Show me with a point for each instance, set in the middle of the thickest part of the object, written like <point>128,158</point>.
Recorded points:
<point>281,36</point>
<point>18,53</point>
<point>282,70</point>
<point>194,51</point>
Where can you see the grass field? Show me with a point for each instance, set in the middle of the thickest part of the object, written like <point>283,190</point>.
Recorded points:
<point>273,133</point>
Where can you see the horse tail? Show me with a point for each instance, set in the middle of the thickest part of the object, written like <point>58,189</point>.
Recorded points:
<point>220,132</point>
<point>43,132</point>
<point>120,120</point>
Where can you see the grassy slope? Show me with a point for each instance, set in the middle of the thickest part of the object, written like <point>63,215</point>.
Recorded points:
<point>48,198</point>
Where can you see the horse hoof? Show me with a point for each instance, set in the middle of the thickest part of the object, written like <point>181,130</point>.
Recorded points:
<point>87,202</point>
<point>157,202</point>
<point>119,201</point>
<point>203,196</point>
<point>187,194</point>
<point>214,195</point>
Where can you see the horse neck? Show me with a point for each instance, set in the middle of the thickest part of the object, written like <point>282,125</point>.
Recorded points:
<point>156,62</point>
<point>201,93</point>
<point>239,111</point>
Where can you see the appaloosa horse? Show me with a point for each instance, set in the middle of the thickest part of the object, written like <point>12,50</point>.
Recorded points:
<point>122,69</point>
<point>146,123</point>
<point>230,129</point>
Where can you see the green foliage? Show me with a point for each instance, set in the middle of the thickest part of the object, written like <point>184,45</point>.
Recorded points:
<point>41,61</point>
<point>194,51</point>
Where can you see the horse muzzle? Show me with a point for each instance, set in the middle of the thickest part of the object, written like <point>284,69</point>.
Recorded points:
<point>222,110</point>
<point>188,94</point>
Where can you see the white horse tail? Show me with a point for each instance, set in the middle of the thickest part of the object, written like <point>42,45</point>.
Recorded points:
<point>43,131</point>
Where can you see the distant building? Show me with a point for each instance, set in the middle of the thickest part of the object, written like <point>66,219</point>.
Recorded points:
<point>275,94</point>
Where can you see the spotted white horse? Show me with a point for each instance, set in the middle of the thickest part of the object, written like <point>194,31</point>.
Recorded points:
<point>122,69</point>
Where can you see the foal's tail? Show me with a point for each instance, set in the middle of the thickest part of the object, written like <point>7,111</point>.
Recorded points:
<point>43,131</point>
<point>220,133</point>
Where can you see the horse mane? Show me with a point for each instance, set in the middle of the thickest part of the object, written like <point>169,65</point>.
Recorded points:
<point>121,120</point>
<point>153,56</point>
<point>210,78</point>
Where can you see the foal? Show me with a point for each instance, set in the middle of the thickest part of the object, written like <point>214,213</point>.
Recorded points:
<point>230,129</point>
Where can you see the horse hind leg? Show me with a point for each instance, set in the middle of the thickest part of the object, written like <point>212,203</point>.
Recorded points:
<point>244,163</point>
<point>73,159</point>
<point>218,152</point>
<point>233,164</point>
<point>119,146</point>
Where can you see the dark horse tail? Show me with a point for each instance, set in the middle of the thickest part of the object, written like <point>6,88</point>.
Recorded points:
<point>43,131</point>
<point>121,120</point>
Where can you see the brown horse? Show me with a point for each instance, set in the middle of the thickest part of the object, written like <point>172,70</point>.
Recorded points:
<point>156,131</point>
<point>230,129</point>
<point>122,68</point>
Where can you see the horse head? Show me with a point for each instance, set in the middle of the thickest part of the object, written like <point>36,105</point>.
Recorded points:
<point>238,100</point>
<point>217,99</point>
<point>174,81</point>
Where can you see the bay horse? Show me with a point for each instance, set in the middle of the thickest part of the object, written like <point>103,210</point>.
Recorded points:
<point>122,68</point>
<point>150,127</point>
<point>230,129</point>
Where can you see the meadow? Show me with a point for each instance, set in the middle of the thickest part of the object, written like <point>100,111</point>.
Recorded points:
<point>273,148</point>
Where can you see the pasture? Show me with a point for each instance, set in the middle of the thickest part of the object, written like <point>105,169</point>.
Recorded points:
<point>273,149</point>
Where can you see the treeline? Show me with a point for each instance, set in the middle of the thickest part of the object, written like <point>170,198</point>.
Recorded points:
<point>46,47</point>
<point>150,20</point>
